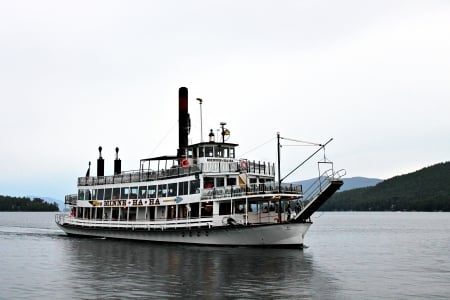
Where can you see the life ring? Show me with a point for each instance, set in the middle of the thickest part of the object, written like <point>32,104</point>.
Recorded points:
<point>185,163</point>
<point>244,165</point>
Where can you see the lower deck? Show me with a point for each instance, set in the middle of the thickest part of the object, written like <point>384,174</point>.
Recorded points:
<point>210,213</point>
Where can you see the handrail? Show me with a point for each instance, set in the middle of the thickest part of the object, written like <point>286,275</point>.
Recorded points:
<point>251,189</point>
<point>138,176</point>
<point>71,199</point>
<point>147,175</point>
<point>161,224</point>
<point>321,182</point>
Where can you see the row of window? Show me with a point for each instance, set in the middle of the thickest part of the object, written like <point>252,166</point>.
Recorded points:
<point>141,192</point>
<point>212,151</point>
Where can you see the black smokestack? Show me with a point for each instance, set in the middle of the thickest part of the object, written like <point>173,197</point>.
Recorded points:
<point>117,163</point>
<point>100,164</point>
<point>183,121</point>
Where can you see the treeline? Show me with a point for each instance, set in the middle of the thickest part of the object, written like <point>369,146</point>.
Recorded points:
<point>8,203</point>
<point>425,190</point>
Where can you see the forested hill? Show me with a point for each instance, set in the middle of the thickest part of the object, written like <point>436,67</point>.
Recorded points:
<point>8,203</point>
<point>425,190</point>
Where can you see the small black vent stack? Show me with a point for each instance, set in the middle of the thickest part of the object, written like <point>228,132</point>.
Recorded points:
<point>117,163</point>
<point>100,164</point>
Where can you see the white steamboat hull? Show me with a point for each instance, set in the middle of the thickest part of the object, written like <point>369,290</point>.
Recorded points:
<point>274,235</point>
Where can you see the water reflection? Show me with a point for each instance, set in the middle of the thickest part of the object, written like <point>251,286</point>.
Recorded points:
<point>111,268</point>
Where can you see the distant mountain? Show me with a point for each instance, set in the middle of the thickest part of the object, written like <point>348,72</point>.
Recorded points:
<point>427,189</point>
<point>349,183</point>
<point>51,200</point>
<point>358,182</point>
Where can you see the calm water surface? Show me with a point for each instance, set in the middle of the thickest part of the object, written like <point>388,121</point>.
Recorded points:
<point>348,256</point>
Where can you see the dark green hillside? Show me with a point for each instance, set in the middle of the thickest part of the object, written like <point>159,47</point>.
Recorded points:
<point>425,190</point>
<point>8,203</point>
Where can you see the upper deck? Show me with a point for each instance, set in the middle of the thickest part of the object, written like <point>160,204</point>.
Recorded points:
<point>207,158</point>
<point>202,165</point>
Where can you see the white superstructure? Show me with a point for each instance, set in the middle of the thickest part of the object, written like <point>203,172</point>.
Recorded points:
<point>203,195</point>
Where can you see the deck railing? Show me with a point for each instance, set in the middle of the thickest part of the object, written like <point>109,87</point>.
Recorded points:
<point>71,199</point>
<point>156,224</point>
<point>209,167</point>
<point>138,176</point>
<point>251,189</point>
<point>322,182</point>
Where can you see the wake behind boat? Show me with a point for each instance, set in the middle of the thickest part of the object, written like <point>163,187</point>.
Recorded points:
<point>203,195</point>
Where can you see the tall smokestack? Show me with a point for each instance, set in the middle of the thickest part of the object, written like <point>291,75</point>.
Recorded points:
<point>183,121</point>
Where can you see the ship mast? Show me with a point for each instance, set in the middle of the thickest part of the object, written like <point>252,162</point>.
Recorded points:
<point>279,177</point>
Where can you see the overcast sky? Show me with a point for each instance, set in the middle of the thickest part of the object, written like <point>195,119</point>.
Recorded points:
<point>74,75</point>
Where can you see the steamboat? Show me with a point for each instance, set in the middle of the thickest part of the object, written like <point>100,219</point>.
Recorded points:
<point>203,195</point>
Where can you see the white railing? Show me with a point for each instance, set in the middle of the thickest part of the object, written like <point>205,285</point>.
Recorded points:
<point>250,189</point>
<point>138,176</point>
<point>251,167</point>
<point>322,183</point>
<point>149,225</point>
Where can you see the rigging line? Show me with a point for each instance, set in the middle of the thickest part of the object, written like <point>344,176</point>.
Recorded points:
<point>270,140</point>
<point>298,145</point>
<point>163,138</point>
<point>299,141</point>
<point>322,146</point>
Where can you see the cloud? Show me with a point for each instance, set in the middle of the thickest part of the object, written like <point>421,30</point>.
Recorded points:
<point>78,75</point>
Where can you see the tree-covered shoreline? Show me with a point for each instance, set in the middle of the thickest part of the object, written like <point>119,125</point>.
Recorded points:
<point>8,203</point>
<point>427,189</point>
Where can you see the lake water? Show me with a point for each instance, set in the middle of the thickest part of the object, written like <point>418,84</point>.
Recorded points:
<point>386,255</point>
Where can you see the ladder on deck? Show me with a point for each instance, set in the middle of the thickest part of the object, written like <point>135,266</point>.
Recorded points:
<point>319,192</point>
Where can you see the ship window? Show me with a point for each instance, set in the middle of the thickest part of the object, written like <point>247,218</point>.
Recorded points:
<point>231,181</point>
<point>239,206</point>
<point>182,210</point>
<point>171,189</point>
<point>209,151</point>
<point>252,206</point>
<point>183,188</point>
<point>231,152</point>
<point>108,194</point>
<point>225,152</point>
<point>133,192</point>
<point>116,193</point>
<point>218,152</point>
<point>125,193</point>
<point>84,195</point>
<point>162,190</point>
<point>194,210</point>
<point>152,191</point>
<point>94,194</point>
<point>225,208</point>
<point>208,182</point>
<point>220,181</point>
<point>201,152</point>
<point>194,187</point>
<point>207,209</point>
<point>171,211</point>
<point>189,153</point>
<point>100,194</point>
<point>142,192</point>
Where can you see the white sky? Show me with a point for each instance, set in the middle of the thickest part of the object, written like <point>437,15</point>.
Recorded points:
<point>374,75</point>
